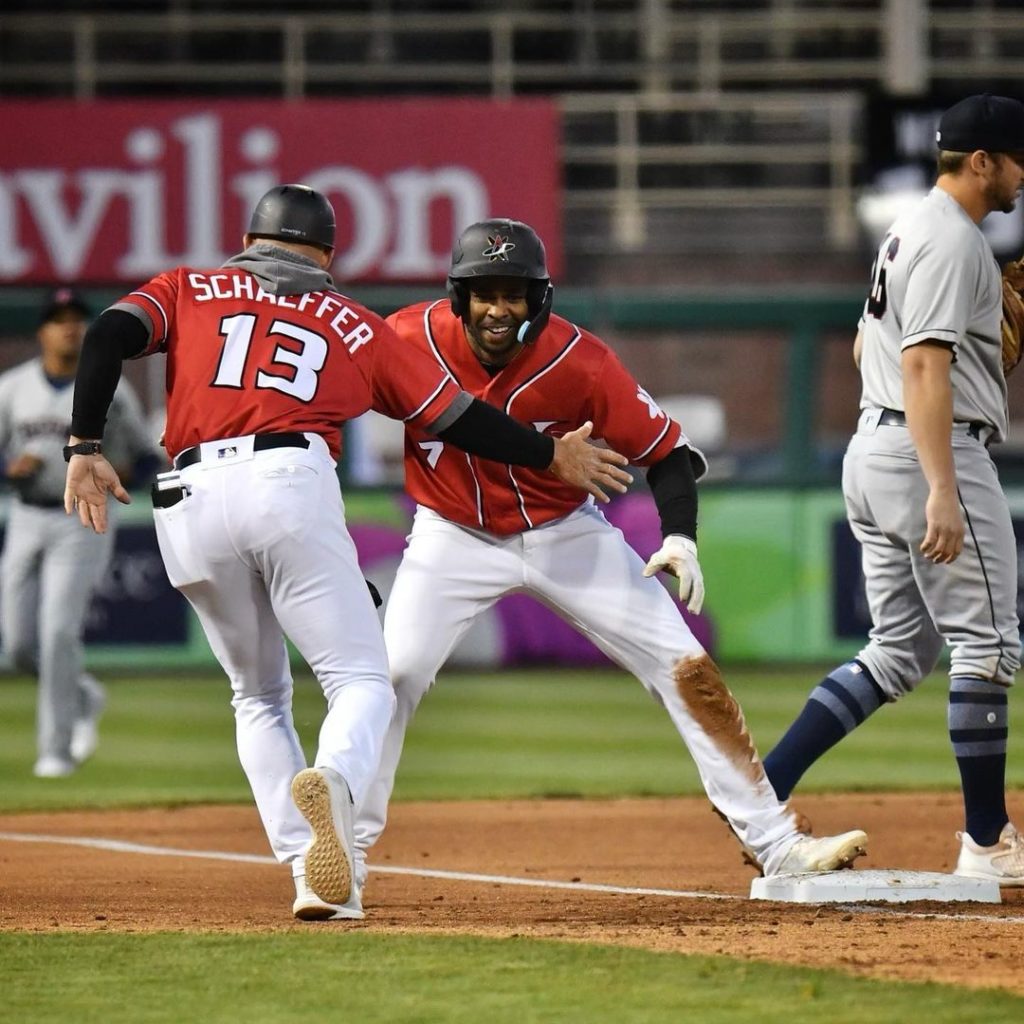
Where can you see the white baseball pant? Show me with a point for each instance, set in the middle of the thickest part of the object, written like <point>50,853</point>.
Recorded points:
<point>260,548</point>
<point>583,568</point>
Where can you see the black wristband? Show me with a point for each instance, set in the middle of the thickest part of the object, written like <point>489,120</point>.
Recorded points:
<point>83,448</point>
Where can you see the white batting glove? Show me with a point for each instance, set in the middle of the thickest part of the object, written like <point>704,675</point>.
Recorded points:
<point>678,557</point>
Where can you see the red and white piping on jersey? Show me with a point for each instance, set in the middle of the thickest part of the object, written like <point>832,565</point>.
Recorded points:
<point>476,485</point>
<point>657,440</point>
<point>433,394</point>
<point>429,335</point>
<point>508,410</point>
<point>433,344</point>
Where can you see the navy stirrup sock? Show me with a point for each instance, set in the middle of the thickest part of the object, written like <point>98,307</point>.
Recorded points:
<point>978,726</point>
<point>835,707</point>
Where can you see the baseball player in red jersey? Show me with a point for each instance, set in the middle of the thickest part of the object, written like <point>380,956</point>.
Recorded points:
<point>265,361</point>
<point>482,530</point>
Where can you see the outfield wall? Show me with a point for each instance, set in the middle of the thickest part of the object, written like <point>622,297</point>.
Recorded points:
<point>781,567</point>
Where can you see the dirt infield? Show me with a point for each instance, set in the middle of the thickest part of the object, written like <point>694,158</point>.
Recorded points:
<point>669,844</point>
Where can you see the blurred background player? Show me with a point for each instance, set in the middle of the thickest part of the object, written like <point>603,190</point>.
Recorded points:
<point>49,567</point>
<point>483,530</point>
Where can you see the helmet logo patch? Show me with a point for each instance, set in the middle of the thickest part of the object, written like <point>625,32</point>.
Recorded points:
<point>498,249</point>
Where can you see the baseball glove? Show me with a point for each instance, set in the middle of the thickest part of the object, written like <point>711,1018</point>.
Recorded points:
<point>1013,314</point>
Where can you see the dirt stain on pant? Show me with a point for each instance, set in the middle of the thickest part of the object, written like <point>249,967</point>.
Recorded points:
<point>717,712</point>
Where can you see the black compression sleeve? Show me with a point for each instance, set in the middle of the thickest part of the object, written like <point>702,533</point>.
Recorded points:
<point>113,337</point>
<point>485,431</point>
<point>674,487</point>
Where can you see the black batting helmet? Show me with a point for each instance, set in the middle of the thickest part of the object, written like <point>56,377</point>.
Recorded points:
<point>294,213</point>
<point>499,248</point>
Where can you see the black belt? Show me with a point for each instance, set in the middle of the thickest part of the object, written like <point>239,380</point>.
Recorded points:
<point>896,418</point>
<point>260,443</point>
<point>42,502</point>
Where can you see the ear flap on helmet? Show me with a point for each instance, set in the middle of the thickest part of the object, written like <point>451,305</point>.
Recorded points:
<point>458,296</point>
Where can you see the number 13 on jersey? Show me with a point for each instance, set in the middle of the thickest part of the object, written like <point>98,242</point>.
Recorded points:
<point>307,360</point>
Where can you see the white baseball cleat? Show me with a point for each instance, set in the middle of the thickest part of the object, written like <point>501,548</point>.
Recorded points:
<point>309,907</point>
<point>322,796</point>
<point>85,738</point>
<point>85,732</point>
<point>52,767</point>
<point>1002,863</point>
<point>826,853</point>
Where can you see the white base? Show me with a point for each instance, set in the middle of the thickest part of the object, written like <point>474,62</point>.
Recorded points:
<point>874,886</point>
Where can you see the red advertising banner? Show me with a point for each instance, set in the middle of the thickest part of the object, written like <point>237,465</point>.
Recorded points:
<point>116,191</point>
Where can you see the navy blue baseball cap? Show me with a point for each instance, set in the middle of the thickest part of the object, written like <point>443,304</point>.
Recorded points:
<point>60,299</point>
<point>992,123</point>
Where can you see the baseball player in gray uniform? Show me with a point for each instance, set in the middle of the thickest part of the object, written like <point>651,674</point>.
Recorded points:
<point>50,566</point>
<point>922,494</point>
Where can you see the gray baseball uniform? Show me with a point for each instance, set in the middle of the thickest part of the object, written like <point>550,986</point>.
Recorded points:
<point>50,565</point>
<point>936,539</point>
<point>934,278</point>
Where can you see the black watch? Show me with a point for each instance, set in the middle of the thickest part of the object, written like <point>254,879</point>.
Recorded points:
<point>83,448</point>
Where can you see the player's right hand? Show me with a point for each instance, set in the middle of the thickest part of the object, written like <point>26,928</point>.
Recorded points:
<point>90,479</point>
<point>944,527</point>
<point>579,463</point>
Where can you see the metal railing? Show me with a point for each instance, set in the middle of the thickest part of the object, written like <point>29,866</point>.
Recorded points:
<point>742,159</point>
<point>656,48</point>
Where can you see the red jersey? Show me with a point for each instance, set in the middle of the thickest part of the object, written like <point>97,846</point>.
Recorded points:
<point>558,382</point>
<point>242,361</point>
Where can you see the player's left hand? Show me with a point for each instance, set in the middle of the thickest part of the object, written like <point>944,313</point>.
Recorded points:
<point>582,464</point>
<point>678,557</point>
<point>90,479</point>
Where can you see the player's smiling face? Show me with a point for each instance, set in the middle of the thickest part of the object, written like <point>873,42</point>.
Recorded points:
<point>497,308</point>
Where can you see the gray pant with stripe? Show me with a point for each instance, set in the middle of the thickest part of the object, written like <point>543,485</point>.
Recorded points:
<point>49,570</point>
<point>917,606</point>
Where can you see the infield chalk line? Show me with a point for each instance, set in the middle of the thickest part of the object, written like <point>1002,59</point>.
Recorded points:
<point>120,846</point>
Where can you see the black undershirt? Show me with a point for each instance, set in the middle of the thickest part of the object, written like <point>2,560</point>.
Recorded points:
<point>674,486</point>
<point>113,337</point>
<point>487,432</point>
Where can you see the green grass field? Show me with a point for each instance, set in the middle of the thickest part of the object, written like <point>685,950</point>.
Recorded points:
<point>406,979</point>
<point>597,734</point>
<point>534,734</point>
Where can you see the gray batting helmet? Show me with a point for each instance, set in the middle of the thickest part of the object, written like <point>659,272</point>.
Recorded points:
<point>294,213</point>
<point>500,248</point>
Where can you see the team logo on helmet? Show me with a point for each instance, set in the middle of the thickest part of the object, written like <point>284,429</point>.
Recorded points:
<point>498,249</point>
